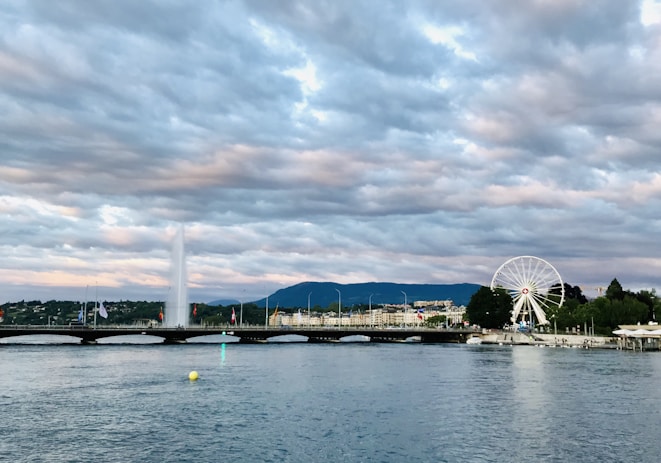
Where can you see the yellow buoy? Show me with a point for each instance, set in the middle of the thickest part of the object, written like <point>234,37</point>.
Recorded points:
<point>193,376</point>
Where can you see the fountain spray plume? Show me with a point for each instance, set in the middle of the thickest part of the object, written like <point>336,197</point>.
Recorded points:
<point>177,310</point>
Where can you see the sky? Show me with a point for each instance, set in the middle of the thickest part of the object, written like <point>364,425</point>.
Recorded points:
<point>345,141</point>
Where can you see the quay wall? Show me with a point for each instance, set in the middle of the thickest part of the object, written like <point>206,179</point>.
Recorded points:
<point>546,339</point>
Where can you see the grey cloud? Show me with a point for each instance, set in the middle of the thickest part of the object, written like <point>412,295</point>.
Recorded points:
<point>532,129</point>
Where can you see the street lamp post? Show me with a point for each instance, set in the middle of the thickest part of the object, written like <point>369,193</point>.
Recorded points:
<point>371,313</point>
<point>309,317</point>
<point>266,320</point>
<point>85,307</point>
<point>405,308</point>
<point>339,308</point>
<point>555,326</point>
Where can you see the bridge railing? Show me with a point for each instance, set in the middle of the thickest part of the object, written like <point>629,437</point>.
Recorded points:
<point>231,328</point>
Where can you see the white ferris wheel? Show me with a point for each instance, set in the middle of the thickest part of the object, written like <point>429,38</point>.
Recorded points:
<point>529,281</point>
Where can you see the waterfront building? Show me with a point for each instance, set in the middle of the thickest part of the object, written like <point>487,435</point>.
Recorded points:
<point>386,315</point>
<point>422,304</point>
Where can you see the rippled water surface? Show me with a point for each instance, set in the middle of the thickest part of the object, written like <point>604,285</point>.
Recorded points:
<point>328,403</point>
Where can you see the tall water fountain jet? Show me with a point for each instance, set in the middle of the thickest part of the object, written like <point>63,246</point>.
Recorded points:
<point>177,310</point>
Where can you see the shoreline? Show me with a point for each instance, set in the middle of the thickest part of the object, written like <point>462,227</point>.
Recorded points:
<point>550,340</point>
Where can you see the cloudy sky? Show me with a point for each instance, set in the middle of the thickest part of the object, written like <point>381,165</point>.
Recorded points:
<point>347,141</point>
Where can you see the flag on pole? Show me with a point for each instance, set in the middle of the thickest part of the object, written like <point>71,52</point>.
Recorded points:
<point>194,310</point>
<point>80,315</point>
<point>233,316</point>
<point>160,315</point>
<point>274,316</point>
<point>420,313</point>
<point>102,311</point>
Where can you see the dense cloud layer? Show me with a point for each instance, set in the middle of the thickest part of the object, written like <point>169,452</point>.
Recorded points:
<point>422,142</point>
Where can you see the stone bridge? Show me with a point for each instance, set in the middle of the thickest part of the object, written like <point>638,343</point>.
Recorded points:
<point>89,335</point>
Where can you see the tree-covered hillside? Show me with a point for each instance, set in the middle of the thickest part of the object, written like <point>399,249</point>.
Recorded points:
<point>322,294</point>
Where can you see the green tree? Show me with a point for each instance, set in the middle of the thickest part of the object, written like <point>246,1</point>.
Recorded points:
<point>615,291</point>
<point>571,292</point>
<point>650,299</point>
<point>489,309</point>
<point>609,313</point>
<point>436,320</point>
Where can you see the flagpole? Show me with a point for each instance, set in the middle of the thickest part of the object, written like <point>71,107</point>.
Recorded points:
<point>309,319</point>
<point>96,303</point>
<point>371,313</point>
<point>339,308</point>
<point>85,306</point>
<point>243,296</point>
<point>266,321</point>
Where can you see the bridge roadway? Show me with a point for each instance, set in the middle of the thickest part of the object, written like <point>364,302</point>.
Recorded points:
<point>89,335</point>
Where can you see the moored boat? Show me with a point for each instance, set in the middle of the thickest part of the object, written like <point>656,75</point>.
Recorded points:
<point>474,339</point>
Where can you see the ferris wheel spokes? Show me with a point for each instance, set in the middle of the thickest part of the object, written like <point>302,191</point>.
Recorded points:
<point>529,281</point>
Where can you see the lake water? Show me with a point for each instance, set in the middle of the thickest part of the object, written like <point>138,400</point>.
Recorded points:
<point>328,403</point>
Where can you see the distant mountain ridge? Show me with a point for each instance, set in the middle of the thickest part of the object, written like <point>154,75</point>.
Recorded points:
<point>324,293</point>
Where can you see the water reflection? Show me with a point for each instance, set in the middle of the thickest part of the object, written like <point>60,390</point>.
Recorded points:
<point>131,339</point>
<point>222,354</point>
<point>331,402</point>
<point>41,339</point>
<point>532,397</point>
<point>214,339</point>
<point>287,338</point>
